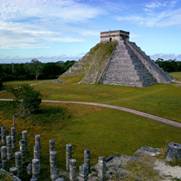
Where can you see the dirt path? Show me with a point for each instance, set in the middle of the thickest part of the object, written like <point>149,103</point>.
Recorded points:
<point>119,108</point>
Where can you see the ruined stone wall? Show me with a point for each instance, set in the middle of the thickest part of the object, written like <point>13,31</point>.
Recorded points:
<point>113,36</point>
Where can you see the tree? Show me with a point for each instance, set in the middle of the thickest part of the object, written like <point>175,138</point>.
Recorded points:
<point>36,67</point>
<point>27,99</point>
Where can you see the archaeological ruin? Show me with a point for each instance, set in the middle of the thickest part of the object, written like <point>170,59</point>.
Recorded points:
<point>126,64</point>
<point>18,164</point>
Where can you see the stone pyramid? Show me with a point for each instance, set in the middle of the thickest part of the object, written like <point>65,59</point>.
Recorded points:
<point>117,61</point>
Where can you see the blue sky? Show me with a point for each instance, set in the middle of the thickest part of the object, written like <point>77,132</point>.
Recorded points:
<point>69,28</point>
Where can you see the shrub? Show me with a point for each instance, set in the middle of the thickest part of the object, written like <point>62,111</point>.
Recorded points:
<point>27,99</point>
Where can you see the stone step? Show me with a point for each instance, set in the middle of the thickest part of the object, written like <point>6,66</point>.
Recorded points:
<point>126,68</point>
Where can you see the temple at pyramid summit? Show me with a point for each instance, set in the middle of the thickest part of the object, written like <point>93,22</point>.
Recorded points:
<point>117,61</point>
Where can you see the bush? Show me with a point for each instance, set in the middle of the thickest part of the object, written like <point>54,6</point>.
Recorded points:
<point>169,65</point>
<point>27,99</point>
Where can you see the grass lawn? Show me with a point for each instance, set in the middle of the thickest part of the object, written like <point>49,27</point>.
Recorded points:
<point>161,100</point>
<point>176,75</point>
<point>103,131</point>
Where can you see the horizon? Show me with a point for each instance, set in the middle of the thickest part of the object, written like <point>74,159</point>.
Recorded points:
<point>69,28</point>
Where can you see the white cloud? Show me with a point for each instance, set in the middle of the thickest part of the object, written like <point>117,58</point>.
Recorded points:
<point>157,4</point>
<point>30,23</point>
<point>166,56</point>
<point>67,10</point>
<point>164,17</point>
<point>15,35</point>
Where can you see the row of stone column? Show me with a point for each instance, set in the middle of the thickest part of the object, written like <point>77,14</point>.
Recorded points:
<point>7,146</point>
<point>33,168</point>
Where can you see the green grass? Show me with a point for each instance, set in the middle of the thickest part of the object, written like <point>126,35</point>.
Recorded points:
<point>142,168</point>
<point>103,131</point>
<point>176,75</point>
<point>161,100</point>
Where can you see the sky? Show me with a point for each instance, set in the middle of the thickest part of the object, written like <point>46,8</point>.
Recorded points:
<point>69,28</point>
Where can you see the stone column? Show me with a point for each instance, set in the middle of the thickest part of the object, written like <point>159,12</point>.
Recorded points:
<point>3,157</point>
<point>23,149</point>
<point>37,147</point>
<point>35,169</point>
<point>3,136</point>
<point>13,170</point>
<point>38,141</point>
<point>14,120</point>
<point>9,149</point>
<point>68,155</point>
<point>53,166</point>
<point>83,173</point>
<point>29,169</point>
<point>36,152</point>
<point>13,137</point>
<point>72,170</point>
<point>24,134</point>
<point>101,169</point>
<point>87,157</point>
<point>18,162</point>
<point>52,145</point>
<point>173,152</point>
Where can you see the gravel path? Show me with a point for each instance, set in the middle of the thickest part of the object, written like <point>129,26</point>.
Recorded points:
<point>119,108</point>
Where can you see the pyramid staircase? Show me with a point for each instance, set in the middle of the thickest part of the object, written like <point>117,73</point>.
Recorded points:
<point>126,65</point>
<point>153,68</point>
<point>126,69</point>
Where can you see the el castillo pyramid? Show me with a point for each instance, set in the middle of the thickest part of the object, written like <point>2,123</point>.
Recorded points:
<point>117,61</point>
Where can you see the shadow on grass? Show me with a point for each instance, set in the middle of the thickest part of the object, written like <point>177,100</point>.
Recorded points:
<point>49,114</point>
<point>46,114</point>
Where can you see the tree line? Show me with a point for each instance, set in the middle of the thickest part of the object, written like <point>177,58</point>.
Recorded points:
<point>169,65</point>
<point>37,70</point>
<point>33,71</point>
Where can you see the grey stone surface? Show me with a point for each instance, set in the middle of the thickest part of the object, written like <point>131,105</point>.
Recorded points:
<point>117,35</point>
<point>147,150</point>
<point>23,149</point>
<point>126,69</point>
<point>38,141</point>
<point>68,155</point>
<point>18,163</point>
<point>53,165</point>
<point>29,169</point>
<point>36,152</point>
<point>9,149</point>
<point>83,172</point>
<point>101,169</point>
<point>35,169</point>
<point>37,147</point>
<point>3,152</point>
<point>13,170</point>
<point>24,139</point>
<point>3,136</point>
<point>87,157</point>
<point>13,137</point>
<point>128,65</point>
<point>4,157</point>
<point>173,152</point>
<point>72,170</point>
<point>52,145</point>
<point>151,66</point>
